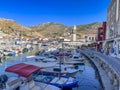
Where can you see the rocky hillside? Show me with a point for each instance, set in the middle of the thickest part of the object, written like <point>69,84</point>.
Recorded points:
<point>92,26</point>
<point>49,30</point>
<point>11,27</point>
<point>53,29</point>
<point>88,28</point>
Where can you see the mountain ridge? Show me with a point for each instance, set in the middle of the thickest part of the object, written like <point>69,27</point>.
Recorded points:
<point>49,29</point>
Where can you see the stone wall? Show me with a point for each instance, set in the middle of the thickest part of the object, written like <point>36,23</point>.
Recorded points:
<point>111,73</point>
<point>108,76</point>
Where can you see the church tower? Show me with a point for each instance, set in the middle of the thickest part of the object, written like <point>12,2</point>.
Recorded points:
<point>74,34</point>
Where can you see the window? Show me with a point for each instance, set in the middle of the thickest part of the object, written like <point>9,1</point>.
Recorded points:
<point>101,32</point>
<point>86,37</point>
<point>89,38</point>
<point>92,38</point>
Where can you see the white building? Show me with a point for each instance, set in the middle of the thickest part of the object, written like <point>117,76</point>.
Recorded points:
<point>112,43</point>
<point>74,34</point>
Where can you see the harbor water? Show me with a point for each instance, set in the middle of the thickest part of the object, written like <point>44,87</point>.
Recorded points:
<point>87,79</point>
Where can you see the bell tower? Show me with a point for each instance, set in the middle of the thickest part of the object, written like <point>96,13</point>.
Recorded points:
<point>74,34</point>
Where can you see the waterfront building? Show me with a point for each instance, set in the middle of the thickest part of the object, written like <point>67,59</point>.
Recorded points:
<point>112,42</point>
<point>101,36</point>
<point>113,20</point>
<point>88,36</point>
<point>85,37</point>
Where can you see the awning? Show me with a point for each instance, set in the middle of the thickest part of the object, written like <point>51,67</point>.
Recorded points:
<point>23,69</point>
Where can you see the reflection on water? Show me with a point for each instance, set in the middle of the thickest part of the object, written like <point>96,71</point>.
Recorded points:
<point>88,79</point>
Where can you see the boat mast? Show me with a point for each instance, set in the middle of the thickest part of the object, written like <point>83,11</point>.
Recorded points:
<point>60,58</point>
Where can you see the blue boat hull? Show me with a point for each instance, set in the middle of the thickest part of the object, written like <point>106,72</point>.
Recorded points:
<point>70,85</point>
<point>12,54</point>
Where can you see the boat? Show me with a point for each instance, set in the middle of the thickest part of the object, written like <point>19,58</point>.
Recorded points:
<point>73,62</point>
<point>40,61</point>
<point>3,59</point>
<point>25,79</point>
<point>77,57</point>
<point>68,70</point>
<point>51,65</point>
<point>11,54</point>
<point>63,82</point>
<point>49,60</point>
<point>41,58</point>
<point>25,50</point>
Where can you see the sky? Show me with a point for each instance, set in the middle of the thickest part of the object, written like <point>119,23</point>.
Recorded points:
<point>67,12</point>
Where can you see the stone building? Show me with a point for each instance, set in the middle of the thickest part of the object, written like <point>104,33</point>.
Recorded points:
<point>113,20</point>
<point>74,34</point>
<point>88,36</point>
<point>112,42</point>
<point>101,36</point>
